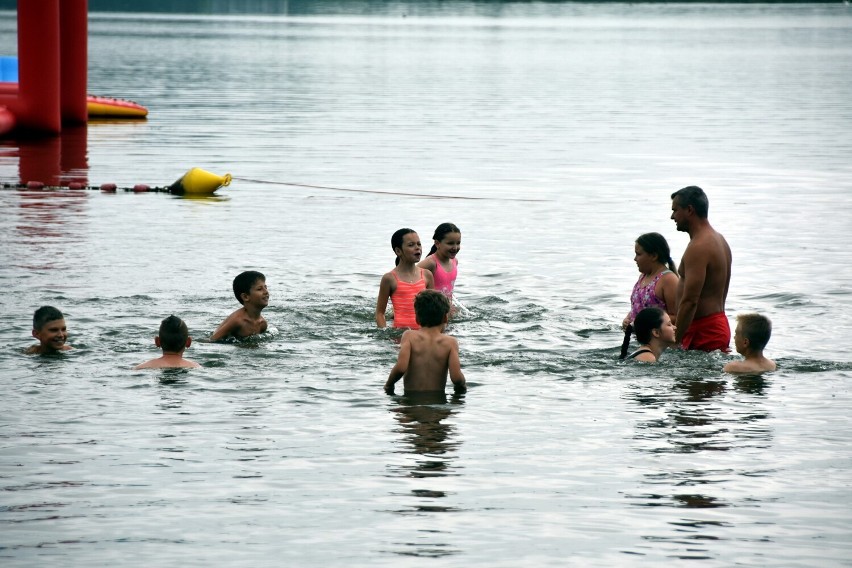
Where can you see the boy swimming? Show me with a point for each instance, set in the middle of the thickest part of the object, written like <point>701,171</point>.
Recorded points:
<point>750,337</point>
<point>251,291</point>
<point>49,328</point>
<point>427,355</point>
<point>173,340</point>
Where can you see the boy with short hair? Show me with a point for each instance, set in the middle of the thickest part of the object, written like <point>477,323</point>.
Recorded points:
<point>426,355</point>
<point>173,340</point>
<point>750,337</point>
<point>251,291</point>
<point>49,328</point>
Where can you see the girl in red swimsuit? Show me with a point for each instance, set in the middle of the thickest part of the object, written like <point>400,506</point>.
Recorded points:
<point>401,284</point>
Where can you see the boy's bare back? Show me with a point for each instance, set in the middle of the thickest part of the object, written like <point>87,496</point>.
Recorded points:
<point>426,357</point>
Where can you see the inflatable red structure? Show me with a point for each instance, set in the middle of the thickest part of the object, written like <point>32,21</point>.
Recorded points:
<point>52,71</point>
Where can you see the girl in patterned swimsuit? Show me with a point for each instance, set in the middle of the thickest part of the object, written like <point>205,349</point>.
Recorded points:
<point>657,286</point>
<point>441,260</point>
<point>401,284</point>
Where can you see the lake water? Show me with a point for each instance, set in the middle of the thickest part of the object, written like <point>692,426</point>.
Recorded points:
<point>565,128</point>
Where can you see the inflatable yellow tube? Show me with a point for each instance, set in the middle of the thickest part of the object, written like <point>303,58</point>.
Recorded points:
<point>119,108</point>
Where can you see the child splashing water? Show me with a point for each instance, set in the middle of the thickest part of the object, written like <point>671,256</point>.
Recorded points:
<point>441,260</point>
<point>403,283</point>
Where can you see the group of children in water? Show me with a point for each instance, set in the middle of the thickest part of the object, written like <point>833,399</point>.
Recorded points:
<point>653,306</point>
<point>421,293</point>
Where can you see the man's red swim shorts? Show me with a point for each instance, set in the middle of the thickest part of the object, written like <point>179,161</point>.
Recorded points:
<point>708,333</point>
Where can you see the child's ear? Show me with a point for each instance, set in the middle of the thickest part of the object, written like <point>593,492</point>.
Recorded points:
<point>157,340</point>
<point>188,342</point>
<point>656,332</point>
<point>35,333</point>
<point>244,296</point>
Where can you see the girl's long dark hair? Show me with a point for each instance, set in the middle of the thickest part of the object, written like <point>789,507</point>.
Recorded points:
<point>625,345</point>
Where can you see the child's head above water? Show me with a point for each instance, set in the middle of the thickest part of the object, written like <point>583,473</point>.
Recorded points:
<point>173,334</point>
<point>656,244</point>
<point>647,321</point>
<point>245,282</point>
<point>431,308</point>
<point>450,233</point>
<point>49,328</point>
<point>45,314</point>
<point>752,333</point>
<point>398,240</point>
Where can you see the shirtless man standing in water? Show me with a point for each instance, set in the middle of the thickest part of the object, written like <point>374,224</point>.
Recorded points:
<point>705,274</point>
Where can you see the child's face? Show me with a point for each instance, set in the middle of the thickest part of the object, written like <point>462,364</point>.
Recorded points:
<point>52,335</point>
<point>668,330</point>
<point>646,263</point>
<point>449,246</point>
<point>411,248</point>
<point>258,294</point>
<point>739,340</point>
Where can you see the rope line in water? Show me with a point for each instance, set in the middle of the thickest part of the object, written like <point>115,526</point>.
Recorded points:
<point>139,188</point>
<point>418,195</point>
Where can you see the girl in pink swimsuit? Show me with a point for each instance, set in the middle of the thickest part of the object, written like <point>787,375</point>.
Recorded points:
<point>441,260</point>
<point>401,284</point>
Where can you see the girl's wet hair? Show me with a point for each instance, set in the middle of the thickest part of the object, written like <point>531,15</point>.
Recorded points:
<point>442,231</point>
<point>647,320</point>
<point>396,239</point>
<point>655,243</point>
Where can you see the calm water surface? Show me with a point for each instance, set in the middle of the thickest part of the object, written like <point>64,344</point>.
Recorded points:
<point>283,450</point>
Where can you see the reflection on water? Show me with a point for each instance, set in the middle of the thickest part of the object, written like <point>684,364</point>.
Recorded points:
<point>52,160</point>
<point>421,418</point>
<point>695,422</point>
<point>428,439</point>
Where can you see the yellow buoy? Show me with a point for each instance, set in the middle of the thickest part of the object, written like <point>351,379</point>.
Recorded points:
<point>199,182</point>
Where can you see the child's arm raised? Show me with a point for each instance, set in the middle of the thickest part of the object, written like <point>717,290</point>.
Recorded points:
<point>456,375</point>
<point>386,288</point>
<point>401,366</point>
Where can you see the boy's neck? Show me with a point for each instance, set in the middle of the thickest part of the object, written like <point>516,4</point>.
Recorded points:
<point>252,311</point>
<point>753,355</point>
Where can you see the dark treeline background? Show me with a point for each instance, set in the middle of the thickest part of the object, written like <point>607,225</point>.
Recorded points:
<point>334,7</point>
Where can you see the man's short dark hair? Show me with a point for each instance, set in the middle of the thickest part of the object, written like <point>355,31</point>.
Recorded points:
<point>695,196</point>
<point>45,314</point>
<point>244,281</point>
<point>430,307</point>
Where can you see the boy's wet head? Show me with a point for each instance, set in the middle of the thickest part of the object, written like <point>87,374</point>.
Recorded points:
<point>173,334</point>
<point>45,314</point>
<point>244,282</point>
<point>756,328</point>
<point>430,308</point>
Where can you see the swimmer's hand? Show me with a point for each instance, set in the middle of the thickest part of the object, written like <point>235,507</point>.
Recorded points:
<point>388,387</point>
